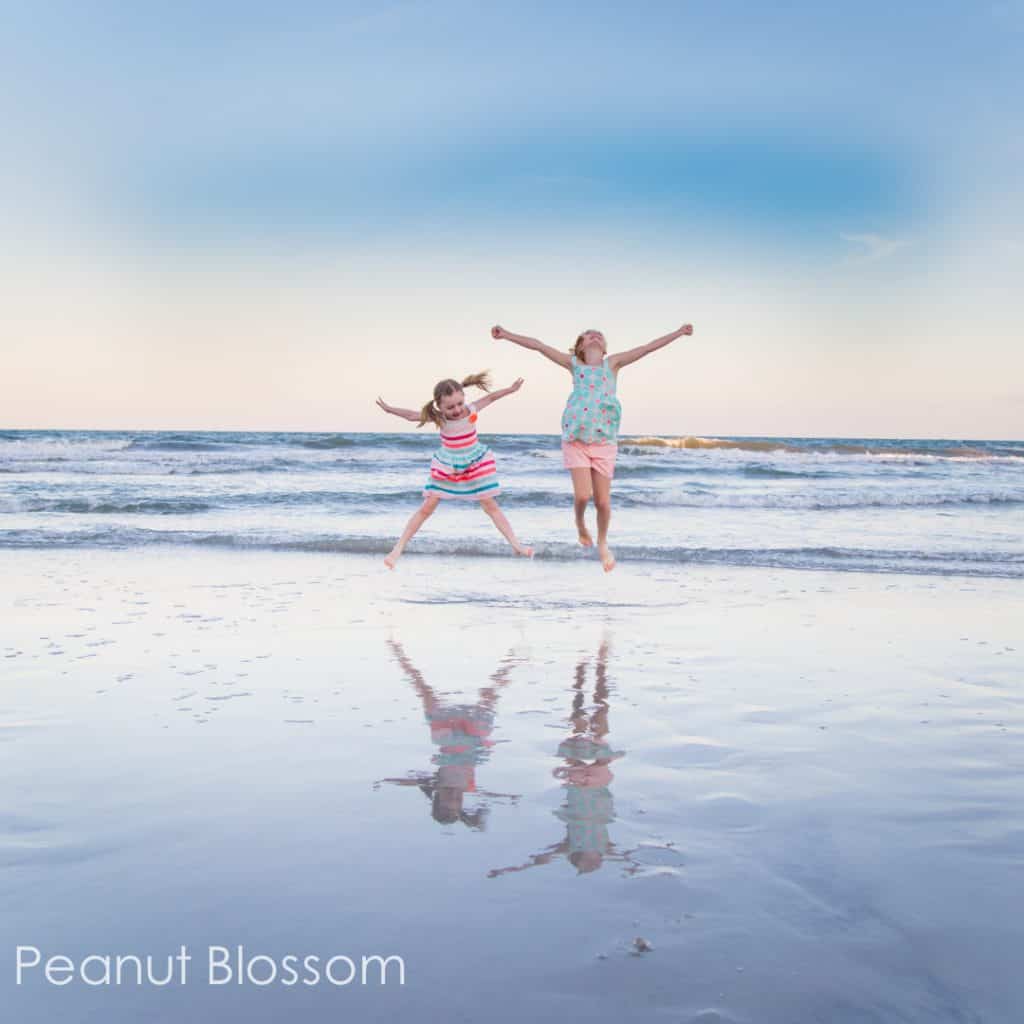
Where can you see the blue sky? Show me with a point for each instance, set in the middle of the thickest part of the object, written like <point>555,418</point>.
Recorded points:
<point>292,194</point>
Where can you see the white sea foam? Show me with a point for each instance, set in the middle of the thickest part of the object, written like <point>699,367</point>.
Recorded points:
<point>887,505</point>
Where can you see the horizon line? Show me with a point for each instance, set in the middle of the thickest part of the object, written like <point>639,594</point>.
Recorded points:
<point>509,433</point>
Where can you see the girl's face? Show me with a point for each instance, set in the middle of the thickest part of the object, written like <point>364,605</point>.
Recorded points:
<point>587,860</point>
<point>593,342</point>
<point>453,406</point>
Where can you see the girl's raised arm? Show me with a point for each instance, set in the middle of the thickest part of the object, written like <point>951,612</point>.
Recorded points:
<point>562,358</point>
<point>414,676</point>
<point>535,861</point>
<point>406,414</point>
<point>621,359</point>
<point>482,403</point>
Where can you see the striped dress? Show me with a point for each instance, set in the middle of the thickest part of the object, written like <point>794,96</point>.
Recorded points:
<point>463,467</point>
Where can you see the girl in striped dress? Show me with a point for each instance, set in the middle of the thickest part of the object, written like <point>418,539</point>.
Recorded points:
<point>463,466</point>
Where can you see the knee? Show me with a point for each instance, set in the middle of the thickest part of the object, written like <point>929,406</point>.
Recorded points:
<point>603,505</point>
<point>581,500</point>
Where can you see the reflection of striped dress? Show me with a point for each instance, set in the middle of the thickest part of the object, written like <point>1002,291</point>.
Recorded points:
<point>463,467</point>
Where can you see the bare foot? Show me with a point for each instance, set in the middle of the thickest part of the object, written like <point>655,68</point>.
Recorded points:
<point>391,558</point>
<point>585,539</point>
<point>526,552</point>
<point>607,558</point>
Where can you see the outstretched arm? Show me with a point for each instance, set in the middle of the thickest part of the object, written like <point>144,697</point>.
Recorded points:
<point>406,414</point>
<point>415,780</point>
<point>493,396</point>
<point>562,358</point>
<point>412,673</point>
<point>621,359</point>
<point>500,678</point>
<point>535,861</point>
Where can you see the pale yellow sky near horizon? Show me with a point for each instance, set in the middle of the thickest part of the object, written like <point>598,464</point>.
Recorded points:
<point>132,337</point>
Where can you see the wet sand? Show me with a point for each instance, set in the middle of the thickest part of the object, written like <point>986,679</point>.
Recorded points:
<point>799,790</point>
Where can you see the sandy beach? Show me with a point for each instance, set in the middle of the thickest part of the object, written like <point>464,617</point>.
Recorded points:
<point>681,793</point>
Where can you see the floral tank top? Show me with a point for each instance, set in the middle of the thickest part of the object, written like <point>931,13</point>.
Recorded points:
<point>592,412</point>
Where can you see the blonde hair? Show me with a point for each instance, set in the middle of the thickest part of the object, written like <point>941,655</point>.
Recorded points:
<point>431,412</point>
<point>577,349</point>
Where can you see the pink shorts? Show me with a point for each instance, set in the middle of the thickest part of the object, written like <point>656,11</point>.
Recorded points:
<point>599,456</point>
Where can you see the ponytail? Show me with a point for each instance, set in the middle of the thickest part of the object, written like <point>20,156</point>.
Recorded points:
<point>478,380</point>
<point>430,414</point>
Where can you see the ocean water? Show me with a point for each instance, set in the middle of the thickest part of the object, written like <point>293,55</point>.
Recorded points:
<point>950,507</point>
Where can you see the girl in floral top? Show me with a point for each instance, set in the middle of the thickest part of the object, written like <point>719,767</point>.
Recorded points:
<point>590,422</point>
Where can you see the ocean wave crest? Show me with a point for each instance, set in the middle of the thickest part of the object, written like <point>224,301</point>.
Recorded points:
<point>836,447</point>
<point>993,564</point>
<point>689,495</point>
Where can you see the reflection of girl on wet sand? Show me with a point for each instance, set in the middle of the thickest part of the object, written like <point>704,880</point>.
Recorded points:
<point>462,733</point>
<point>588,807</point>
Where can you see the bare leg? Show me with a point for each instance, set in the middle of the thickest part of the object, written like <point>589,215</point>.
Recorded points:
<point>490,506</point>
<point>418,518</point>
<point>582,492</point>
<point>603,504</point>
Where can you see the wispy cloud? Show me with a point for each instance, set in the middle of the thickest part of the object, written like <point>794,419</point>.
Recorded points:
<point>872,248</point>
